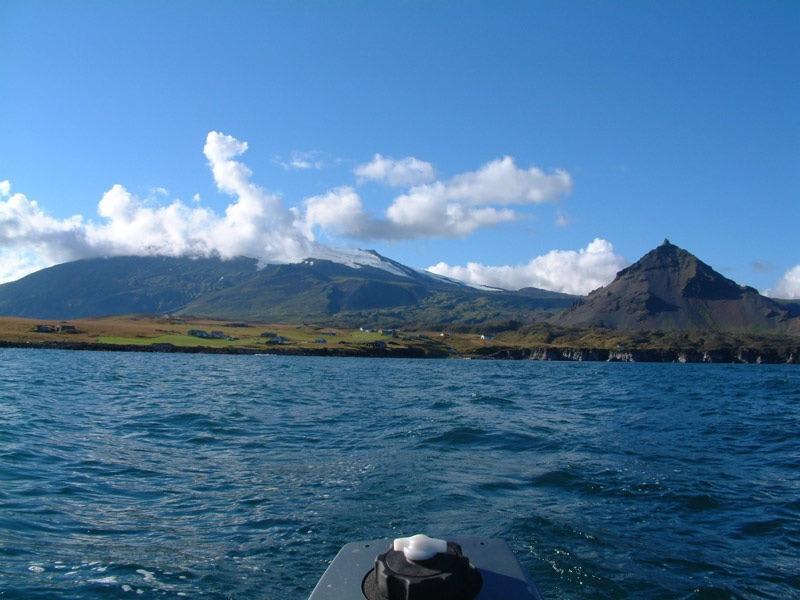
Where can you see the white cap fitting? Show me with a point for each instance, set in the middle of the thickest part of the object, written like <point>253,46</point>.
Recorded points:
<point>419,547</point>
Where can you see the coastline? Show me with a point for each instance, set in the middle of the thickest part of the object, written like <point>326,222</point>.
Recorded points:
<point>557,354</point>
<point>413,352</point>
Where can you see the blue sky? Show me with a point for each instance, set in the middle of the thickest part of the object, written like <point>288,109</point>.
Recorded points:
<point>677,119</point>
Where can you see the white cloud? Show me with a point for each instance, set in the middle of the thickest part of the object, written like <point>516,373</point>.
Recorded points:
<point>470,200</point>
<point>503,182</point>
<point>16,264</point>
<point>404,172</point>
<point>426,211</point>
<point>23,223</point>
<point>340,211</point>
<point>569,271</point>
<point>788,286</point>
<point>451,208</point>
<point>256,223</point>
<point>301,161</point>
<point>30,239</point>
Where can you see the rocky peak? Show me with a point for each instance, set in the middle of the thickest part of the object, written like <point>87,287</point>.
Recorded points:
<point>670,288</point>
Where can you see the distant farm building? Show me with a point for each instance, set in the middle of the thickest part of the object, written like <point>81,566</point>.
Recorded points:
<point>273,338</point>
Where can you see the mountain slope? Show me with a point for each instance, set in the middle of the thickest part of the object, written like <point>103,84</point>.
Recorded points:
<point>310,289</point>
<point>669,288</point>
<point>314,289</point>
<point>119,285</point>
<point>327,291</point>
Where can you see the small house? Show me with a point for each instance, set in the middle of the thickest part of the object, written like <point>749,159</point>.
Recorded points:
<point>218,335</point>
<point>199,333</point>
<point>377,345</point>
<point>67,328</point>
<point>43,328</point>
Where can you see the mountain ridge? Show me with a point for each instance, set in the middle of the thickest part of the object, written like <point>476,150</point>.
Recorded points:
<point>312,289</point>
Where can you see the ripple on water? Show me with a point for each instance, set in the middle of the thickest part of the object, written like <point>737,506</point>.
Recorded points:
<point>226,476</point>
<point>498,401</point>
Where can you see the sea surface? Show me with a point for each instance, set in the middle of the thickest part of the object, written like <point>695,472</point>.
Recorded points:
<point>209,476</point>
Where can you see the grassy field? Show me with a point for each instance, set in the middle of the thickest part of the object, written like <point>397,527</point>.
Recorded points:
<point>142,331</point>
<point>308,338</point>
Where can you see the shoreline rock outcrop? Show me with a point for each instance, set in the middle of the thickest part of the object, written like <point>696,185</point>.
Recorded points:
<point>566,354</point>
<point>719,356</point>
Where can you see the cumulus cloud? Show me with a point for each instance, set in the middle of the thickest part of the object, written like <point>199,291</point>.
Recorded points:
<point>31,239</point>
<point>426,211</point>
<point>256,223</point>
<point>569,271</point>
<point>404,172</point>
<point>16,264</point>
<point>340,211</point>
<point>450,208</point>
<point>503,182</point>
<point>26,227</point>
<point>788,286</point>
<point>471,200</point>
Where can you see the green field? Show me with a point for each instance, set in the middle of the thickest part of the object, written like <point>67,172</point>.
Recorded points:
<point>250,338</point>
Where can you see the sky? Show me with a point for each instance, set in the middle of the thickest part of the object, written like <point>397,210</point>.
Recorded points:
<point>503,143</point>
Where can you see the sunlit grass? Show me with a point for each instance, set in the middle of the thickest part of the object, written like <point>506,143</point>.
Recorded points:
<point>178,340</point>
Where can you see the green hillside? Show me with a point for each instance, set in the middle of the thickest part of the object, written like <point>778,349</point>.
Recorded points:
<point>312,290</point>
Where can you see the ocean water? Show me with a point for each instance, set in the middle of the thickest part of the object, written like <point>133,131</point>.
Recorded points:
<point>128,475</point>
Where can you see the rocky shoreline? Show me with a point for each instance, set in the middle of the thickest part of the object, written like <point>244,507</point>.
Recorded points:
<point>725,355</point>
<point>389,352</point>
